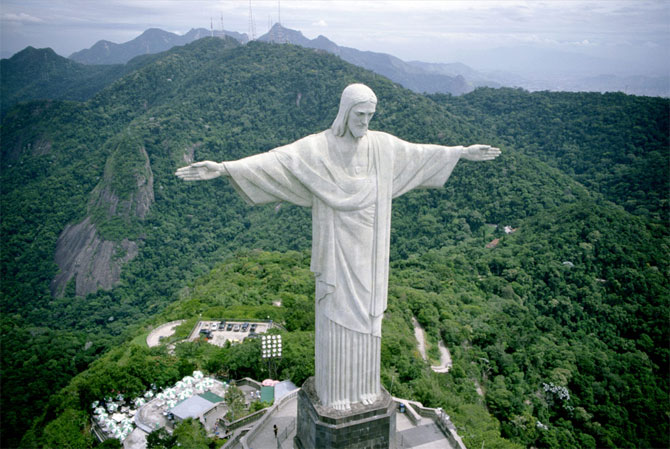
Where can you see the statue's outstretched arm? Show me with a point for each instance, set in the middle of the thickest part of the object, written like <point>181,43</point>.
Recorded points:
<point>480,153</point>
<point>202,171</point>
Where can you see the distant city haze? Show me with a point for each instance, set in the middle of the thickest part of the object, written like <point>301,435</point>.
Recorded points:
<point>616,37</point>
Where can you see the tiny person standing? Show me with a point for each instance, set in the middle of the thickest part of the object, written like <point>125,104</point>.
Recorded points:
<point>275,429</point>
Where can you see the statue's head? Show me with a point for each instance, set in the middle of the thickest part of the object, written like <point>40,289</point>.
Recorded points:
<point>357,106</point>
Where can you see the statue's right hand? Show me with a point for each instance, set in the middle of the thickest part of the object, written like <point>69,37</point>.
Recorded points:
<point>202,171</point>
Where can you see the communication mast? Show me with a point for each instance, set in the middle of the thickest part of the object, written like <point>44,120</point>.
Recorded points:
<point>211,26</point>
<point>279,36</point>
<point>252,26</point>
<point>223,33</point>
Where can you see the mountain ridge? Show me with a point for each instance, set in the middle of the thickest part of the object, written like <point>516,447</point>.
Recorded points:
<point>393,68</point>
<point>151,41</point>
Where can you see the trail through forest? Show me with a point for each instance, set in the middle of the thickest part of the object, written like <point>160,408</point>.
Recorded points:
<point>445,356</point>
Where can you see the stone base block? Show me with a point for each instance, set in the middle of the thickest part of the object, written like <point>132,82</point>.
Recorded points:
<point>362,427</point>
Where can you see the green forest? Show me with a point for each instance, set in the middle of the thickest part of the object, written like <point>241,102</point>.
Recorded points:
<point>559,333</point>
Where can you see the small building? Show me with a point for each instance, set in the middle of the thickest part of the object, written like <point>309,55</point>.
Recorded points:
<point>510,230</point>
<point>206,407</point>
<point>267,394</point>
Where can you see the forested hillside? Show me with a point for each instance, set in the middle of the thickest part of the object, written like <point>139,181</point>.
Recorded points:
<point>34,74</point>
<point>576,299</point>
<point>612,143</point>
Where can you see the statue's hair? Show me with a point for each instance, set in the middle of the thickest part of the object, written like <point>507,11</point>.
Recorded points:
<point>352,95</point>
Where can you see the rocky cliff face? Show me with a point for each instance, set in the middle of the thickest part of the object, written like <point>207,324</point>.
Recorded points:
<point>93,251</point>
<point>93,262</point>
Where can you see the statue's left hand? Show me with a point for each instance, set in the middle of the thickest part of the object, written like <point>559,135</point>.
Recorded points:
<point>202,171</point>
<point>480,153</point>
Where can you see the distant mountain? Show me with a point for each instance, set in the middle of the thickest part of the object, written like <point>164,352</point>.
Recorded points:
<point>153,40</point>
<point>651,86</point>
<point>535,61</point>
<point>527,67</point>
<point>419,77</point>
<point>476,78</point>
<point>412,76</point>
<point>42,74</point>
<point>537,69</point>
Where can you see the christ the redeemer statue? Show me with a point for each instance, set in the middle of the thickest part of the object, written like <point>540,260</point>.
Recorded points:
<point>348,176</point>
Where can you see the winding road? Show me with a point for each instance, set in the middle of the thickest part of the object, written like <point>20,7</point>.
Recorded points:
<point>445,356</point>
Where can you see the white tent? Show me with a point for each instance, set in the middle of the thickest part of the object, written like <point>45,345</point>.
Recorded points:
<point>185,394</point>
<point>170,393</point>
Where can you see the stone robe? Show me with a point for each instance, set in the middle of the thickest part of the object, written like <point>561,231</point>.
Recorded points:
<point>351,220</point>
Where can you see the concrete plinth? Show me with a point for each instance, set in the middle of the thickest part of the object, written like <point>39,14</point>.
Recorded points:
<point>362,427</point>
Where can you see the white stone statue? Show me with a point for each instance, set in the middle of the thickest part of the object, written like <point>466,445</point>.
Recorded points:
<point>348,176</point>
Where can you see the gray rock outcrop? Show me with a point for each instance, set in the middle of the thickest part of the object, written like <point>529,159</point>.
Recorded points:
<point>84,253</point>
<point>93,262</point>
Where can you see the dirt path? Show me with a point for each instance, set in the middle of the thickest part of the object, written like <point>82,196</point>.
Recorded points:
<point>445,359</point>
<point>445,356</point>
<point>164,330</point>
<point>420,337</point>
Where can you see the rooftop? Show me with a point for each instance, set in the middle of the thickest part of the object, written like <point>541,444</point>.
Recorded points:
<point>193,407</point>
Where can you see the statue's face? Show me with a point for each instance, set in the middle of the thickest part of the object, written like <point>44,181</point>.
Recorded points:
<point>359,118</point>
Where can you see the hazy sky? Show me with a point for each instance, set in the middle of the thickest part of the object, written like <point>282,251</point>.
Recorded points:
<point>635,32</point>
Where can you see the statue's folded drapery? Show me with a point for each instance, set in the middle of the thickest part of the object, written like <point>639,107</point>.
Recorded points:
<point>351,219</point>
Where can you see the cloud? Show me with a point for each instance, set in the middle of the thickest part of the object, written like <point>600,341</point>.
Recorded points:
<point>320,23</point>
<point>20,18</point>
<point>650,44</point>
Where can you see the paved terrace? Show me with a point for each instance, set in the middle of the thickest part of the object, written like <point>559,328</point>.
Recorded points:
<point>412,429</point>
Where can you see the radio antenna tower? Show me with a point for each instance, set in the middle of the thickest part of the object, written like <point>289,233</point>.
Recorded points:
<point>223,32</point>
<point>279,37</point>
<point>211,26</point>
<point>252,26</point>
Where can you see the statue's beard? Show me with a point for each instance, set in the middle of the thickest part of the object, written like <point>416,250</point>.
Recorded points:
<point>358,131</point>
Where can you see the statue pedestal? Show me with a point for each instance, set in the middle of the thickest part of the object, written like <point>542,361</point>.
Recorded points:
<point>362,427</point>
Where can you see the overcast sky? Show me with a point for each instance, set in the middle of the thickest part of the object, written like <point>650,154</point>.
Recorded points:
<point>635,32</point>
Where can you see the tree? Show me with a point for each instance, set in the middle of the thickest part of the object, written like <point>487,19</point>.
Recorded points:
<point>161,439</point>
<point>68,431</point>
<point>191,434</point>
<point>235,402</point>
<point>110,443</point>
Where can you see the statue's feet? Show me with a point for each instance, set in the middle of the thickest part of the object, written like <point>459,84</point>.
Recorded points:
<point>367,399</point>
<point>341,405</point>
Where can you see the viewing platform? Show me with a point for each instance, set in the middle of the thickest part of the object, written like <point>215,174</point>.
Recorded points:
<point>417,427</point>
